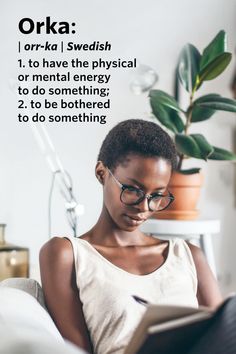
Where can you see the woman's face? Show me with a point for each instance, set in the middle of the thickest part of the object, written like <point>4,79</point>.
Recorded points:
<point>146,173</point>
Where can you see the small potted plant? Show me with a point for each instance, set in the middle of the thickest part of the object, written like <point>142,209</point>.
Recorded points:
<point>193,70</point>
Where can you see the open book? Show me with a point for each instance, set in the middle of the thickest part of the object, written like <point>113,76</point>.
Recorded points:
<point>166,329</point>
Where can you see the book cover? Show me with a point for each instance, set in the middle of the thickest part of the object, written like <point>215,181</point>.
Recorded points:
<point>168,329</point>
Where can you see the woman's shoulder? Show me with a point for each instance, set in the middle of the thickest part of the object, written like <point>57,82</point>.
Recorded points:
<point>57,243</point>
<point>57,249</point>
<point>185,244</point>
<point>185,250</point>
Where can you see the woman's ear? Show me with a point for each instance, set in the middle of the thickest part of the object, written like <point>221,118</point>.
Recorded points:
<point>100,172</point>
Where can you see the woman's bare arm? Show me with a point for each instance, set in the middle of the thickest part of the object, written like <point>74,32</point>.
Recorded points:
<point>208,293</point>
<point>61,293</point>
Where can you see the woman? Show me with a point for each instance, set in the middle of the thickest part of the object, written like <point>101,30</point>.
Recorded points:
<point>90,282</point>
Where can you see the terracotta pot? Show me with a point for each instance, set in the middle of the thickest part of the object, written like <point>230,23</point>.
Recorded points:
<point>186,190</point>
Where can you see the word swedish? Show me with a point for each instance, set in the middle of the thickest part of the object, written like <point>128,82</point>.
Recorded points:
<point>27,26</point>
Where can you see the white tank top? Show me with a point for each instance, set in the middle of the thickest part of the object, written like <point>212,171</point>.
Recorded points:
<point>110,311</point>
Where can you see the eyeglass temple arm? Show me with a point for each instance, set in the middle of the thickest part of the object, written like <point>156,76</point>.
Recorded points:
<point>119,184</point>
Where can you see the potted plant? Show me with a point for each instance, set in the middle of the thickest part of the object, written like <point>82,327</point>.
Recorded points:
<point>193,70</point>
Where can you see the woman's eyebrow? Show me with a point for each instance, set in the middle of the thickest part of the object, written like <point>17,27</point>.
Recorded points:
<point>142,186</point>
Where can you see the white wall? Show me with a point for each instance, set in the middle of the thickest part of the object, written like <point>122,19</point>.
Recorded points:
<point>154,32</point>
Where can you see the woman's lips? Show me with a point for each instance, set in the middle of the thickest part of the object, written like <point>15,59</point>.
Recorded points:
<point>134,220</point>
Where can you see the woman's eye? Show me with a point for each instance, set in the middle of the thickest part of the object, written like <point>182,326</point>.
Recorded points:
<point>157,195</point>
<point>133,189</point>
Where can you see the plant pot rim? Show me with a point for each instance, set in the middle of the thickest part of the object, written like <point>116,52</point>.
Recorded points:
<point>187,174</point>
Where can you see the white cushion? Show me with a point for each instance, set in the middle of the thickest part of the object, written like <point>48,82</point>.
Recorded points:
<point>22,340</point>
<point>21,309</point>
<point>27,328</point>
<point>30,286</point>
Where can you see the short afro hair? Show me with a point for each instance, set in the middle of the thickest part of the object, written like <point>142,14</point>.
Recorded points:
<point>139,137</point>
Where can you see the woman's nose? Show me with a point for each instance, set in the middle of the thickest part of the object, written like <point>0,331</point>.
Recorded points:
<point>143,205</point>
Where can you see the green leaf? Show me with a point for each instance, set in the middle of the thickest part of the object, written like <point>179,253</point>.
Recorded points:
<point>206,98</point>
<point>205,148</point>
<point>221,154</point>
<point>215,68</point>
<point>167,116</point>
<point>214,59</point>
<point>162,98</point>
<point>188,66</point>
<point>177,121</point>
<point>215,48</point>
<point>162,115</point>
<point>200,114</point>
<point>190,171</point>
<point>193,145</point>
<point>218,104</point>
<point>187,146</point>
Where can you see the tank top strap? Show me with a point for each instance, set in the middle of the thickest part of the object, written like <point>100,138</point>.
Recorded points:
<point>182,252</point>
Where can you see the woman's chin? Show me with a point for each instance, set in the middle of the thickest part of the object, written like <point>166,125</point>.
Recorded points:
<point>129,224</point>
<point>129,228</point>
<point>121,225</point>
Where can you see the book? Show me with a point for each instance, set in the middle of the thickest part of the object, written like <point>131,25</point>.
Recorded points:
<point>166,329</point>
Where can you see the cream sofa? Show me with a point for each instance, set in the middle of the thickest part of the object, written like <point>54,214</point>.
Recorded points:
<point>25,325</point>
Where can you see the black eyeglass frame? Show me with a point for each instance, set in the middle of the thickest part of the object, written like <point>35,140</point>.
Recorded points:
<point>149,197</point>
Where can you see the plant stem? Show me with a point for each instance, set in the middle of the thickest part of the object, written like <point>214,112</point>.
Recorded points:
<point>188,115</point>
<point>181,157</point>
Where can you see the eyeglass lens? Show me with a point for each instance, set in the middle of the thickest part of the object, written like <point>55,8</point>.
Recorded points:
<point>131,196</point>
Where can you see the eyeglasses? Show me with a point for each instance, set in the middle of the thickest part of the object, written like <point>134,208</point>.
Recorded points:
<point>132,196</point>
